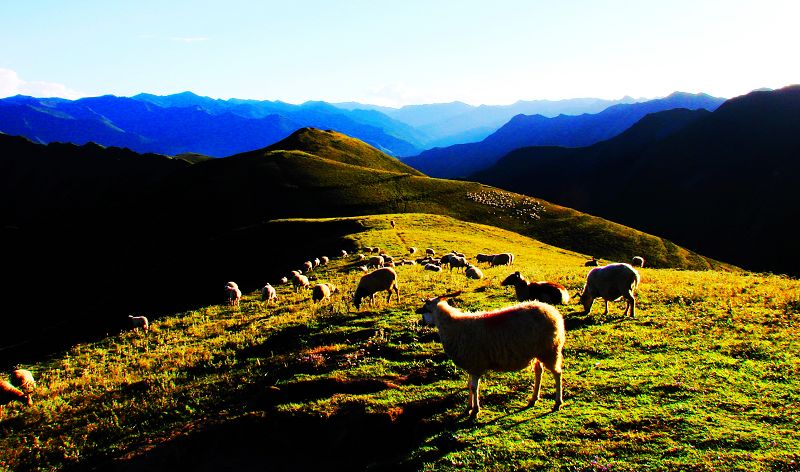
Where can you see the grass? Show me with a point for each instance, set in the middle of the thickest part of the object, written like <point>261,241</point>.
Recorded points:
<point>703,379</point>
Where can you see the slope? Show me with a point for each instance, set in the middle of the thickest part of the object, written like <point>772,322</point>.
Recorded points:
<point>174,239</point>
<point>704,378</point>
<point>465,159</point>
<point>723,184</point>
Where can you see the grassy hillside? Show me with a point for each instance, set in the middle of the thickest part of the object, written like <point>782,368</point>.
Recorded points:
<point>703,379</point>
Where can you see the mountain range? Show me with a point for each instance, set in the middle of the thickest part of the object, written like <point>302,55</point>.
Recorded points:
<point>721,183</point>
<point>462,160</point>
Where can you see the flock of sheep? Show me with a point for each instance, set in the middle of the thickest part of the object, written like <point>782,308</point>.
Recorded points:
<point>510,339</point>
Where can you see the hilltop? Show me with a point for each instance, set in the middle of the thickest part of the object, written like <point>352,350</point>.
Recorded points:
<point>722,183</point>
<point>704,377</point>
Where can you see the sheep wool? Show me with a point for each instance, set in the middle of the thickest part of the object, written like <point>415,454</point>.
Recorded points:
<point>505,340</point>
<point>383,279</point>
<point>611,282</point>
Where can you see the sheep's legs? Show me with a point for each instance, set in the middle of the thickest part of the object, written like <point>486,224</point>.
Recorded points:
<point>559,393</point>
<point>606,312</point>
<point>631,303</point>
<point>537,382</point>
<point>474,402</point>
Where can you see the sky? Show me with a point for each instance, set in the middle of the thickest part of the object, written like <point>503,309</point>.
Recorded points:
<point>394,53</point>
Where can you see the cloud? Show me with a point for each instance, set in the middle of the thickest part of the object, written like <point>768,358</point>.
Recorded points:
<point>396,95</point>
<point>12,84</point>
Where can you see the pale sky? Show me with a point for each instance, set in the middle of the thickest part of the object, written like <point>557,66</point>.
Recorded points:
<point>396,53</point>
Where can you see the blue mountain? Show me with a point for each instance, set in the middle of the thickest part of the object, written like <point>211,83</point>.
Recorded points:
<point>462,160</point>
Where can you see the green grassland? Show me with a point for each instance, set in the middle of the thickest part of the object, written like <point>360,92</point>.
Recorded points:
<point>705,378</point>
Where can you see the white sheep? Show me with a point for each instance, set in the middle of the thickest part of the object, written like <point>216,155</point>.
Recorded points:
<point>9,393</point>
<point>322,292</point>
<point>484,257</point>
<point>376,250</point>
<point>139,322</point>
<point>23,380</point>
<point>324,260</point>
<point>638,261</point>
<point>611,282</point>
<point>384,279</point>
<point>343,253</point>
<point>505,340</point>
<point>308,266</point>
<point>592,263</point>
<point>429,252</point>
<point>362,268</point>
<point>368,249</point>
<point>473,272</point>
<point>233,293</point>
<point>412,250</point>
<point>316,262</point>
<point>375,261</point>
<point>299,282</point>
<point>546,292</point>
<point>269,294</point>
<point>284,281</point>
<point>458,262</point>
<point>433,267</point>
<point>505,258</point>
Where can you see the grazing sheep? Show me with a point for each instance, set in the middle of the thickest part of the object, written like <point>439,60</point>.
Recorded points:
<point>294,272</point>
<point>611,282</point>
<point>233,293</point>
<point>433,267</point>
<point>429,252</point>
<point>473,272</point>
<point>638,261</point>
<point>9,393</point>
<point>412,250</point>
<point>484,258</point>
<point>374,282</point>
<point>316,262</point>
<point>322,292</point>
<point>362,257</point>
<point>505,258</point>
<point>269,294</point>
<point>375,261</point>
<point>376,250</point>
<point>324,260</point>
<point>505,340</point>
<point>343,253</point>
<point>299,282</point>
<point>592,263</point>
<point>458,262</point>
<point>139,322</point>
<point>368,249</point>
<point>545,292</point>
<point>284,281</point>
<point>23,380</point>
<point>307,267</point>
<point>392,223</point>
<point>389,264</point>
<point>446,258</point>
<point>362,268</point>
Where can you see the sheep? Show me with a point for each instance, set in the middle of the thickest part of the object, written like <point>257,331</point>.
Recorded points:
<point>392,223</point>
<point>389,264</point>
<point>458,262</point>
<point>638,261</point>
<point>446,258</point>
<point>322,292</point>
<point>307,267</point>
<point>545,292</point>
<point>269,294</point>
<point>140,322</point>
<point>412,250</point>
<point>9,393</point>
<point>343,253</point>
<point>429,252</point>
<point>368,249</point>
<point>504,340</point>
<point>233,293</point>
<point>592,263</point>
<point>294,272</point>
<point>433,267</point>
<point>505,258</point>
<point>375,261</point>
<point>316,262</point>
<point>324,260</point>
<point>362,257</point>
<point>362,268</point>
<point>299,281</point>
<point>611,282</point>
<point>484,258</point>
<point>473,272</point>
<point>376,250</point>
<point>23,380</point>
<point>284,281</point>
<point>374,282</point>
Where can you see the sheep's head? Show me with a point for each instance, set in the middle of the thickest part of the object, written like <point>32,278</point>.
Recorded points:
<point>512,279</point>
<point>429,309</point>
